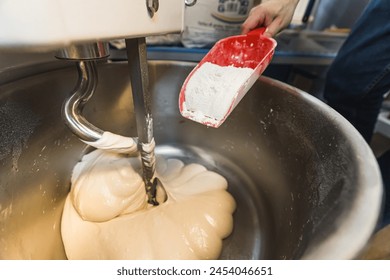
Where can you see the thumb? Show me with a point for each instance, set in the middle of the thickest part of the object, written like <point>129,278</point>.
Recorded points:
<point>267,33</point>
<point>273,28</point>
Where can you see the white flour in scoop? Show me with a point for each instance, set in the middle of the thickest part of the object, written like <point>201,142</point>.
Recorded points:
<point>211,90</point>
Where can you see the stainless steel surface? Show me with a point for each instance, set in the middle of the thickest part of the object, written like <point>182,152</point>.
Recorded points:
<point>310,43</point>
<point>74,105</point>
<point>86,51</point>
<point>139,79</point>
<point>306,184</point>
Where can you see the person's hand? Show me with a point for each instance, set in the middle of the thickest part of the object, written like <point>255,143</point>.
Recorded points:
<point>275,15</point>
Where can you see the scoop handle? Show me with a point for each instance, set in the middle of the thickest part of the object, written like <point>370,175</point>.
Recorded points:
<point>257,32</point>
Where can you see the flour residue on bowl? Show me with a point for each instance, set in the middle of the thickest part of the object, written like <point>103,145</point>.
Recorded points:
<point>106,214</point>
<point>211,91</point>
<point>17,125</point>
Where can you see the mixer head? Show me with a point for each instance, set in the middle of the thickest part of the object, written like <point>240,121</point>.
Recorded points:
<point>52,24</point>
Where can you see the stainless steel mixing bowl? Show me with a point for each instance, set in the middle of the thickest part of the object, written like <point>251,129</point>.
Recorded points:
<point>306,184</point>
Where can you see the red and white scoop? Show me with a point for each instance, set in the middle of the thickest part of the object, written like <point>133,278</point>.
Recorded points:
<point>221,79</point>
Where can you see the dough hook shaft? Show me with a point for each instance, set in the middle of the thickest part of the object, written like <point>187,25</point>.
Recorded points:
<point>138,68</point>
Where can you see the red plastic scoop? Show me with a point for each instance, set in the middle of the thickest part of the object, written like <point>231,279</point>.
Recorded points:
<point>221,79</point>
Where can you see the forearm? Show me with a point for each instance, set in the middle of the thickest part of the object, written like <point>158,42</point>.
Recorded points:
<point>275,15</point>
